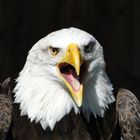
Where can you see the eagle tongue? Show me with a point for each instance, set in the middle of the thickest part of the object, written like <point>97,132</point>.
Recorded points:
<point>75,80</point>
<point>72,79</point>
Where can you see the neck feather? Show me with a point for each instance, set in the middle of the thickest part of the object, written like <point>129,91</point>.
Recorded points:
<point>41,99</point>
<point>98,95</point>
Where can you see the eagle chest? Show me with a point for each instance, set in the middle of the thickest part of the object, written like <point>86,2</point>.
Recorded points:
<point>70,127</point>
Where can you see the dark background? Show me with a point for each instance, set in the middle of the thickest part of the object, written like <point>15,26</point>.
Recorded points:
<point>114,23</point>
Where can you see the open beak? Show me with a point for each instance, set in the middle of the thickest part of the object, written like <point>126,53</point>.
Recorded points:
<point>69,69</point>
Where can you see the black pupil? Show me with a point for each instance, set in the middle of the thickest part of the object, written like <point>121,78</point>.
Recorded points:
<point>89,48</point>
<point>54,50</point>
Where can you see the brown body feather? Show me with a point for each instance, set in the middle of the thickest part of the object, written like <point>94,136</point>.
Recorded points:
<point>128,108</point>
<point>6,108</point>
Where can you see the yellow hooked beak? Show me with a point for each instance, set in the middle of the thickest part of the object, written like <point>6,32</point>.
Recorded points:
<point>73,58</point>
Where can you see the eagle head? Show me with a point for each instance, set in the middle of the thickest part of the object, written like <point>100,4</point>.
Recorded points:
<point>64,70</point>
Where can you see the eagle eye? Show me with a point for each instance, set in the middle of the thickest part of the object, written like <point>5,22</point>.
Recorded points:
<point>89,47</point>
<point>54,51</point>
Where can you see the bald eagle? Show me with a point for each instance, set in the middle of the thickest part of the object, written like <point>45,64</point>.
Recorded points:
<point>63,91</point>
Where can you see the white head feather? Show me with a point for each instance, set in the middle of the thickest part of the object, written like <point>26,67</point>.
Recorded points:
<point>43,96</point>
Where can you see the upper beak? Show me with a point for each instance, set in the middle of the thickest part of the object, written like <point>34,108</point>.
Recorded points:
<point>73,57</point>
